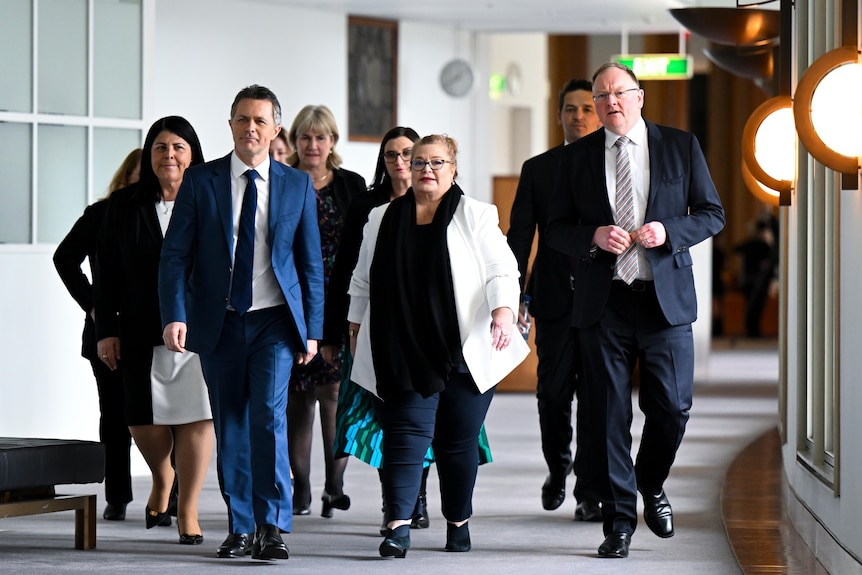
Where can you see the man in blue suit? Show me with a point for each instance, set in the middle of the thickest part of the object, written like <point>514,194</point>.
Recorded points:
<point>630,201</point>
<point>241,284</point>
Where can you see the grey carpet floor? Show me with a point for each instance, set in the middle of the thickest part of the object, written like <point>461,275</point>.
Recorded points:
<point>511,533</point>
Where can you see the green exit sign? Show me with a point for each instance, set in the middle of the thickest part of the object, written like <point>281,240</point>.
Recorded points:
<point>658,66</point>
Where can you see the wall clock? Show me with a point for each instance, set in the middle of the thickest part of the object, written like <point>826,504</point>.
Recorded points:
<point>456,78</point>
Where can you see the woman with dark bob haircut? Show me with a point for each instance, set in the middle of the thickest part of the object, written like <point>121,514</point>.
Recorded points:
<point>166,407</point>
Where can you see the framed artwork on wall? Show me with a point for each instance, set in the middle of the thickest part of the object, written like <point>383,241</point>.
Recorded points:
<point>372,77</point>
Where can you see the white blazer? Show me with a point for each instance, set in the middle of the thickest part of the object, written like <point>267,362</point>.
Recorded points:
<point>484,277</point>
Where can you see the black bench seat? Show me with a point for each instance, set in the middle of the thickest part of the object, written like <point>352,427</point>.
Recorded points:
<point>31,467</point>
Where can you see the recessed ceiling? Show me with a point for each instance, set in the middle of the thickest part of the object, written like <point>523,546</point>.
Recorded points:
<point>551,16</point>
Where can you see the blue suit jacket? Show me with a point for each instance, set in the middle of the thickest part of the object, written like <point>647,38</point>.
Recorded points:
<point>682,197</point>
<point>195,267</point>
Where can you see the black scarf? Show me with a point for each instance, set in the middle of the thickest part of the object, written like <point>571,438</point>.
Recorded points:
<point>415,340</point>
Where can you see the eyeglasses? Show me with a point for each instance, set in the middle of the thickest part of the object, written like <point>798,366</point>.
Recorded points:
<point>602,97</point>
<point>391,157</point>
<point>436,164</point>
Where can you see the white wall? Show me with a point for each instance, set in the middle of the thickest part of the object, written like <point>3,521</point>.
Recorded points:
<point>195,68</point>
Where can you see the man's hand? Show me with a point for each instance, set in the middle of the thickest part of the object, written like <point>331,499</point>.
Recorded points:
<point>651,235</point>
<point>305,358</point>
<point>175,336</point>
<point>613,239</point>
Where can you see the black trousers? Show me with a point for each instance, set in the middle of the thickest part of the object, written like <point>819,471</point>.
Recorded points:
<point>633,329</point>
<point>450,422</point>
<point>559,354</point>
<point>113,433</point>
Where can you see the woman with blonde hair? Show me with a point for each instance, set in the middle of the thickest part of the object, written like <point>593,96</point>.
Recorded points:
<point>313,136</point>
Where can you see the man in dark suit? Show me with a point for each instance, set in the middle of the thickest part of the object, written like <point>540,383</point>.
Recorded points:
<point>630,201</point>
<point>550,293</point>
<point>241,284</point>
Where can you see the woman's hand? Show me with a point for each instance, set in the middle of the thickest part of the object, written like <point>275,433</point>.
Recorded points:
<point>352,332</point>
<point>502,327</point>
<point>109,351</point>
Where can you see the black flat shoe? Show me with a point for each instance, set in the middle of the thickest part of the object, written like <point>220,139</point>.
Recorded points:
<point>457,538</point>
<point>331,502</point>
<point>615,546</point>
<point>236,545</point>
<point>268,544</point>
<point>153,518</point>
<point>396,543</point>
<point>115,512</point>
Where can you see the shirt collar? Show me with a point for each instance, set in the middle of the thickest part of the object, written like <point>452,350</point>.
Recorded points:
<point>238,167</point>
<point>638,134</point>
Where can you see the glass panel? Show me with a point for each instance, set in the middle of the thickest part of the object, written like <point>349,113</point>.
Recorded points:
<point>16,37</point>
<point>63,57</point>
<point>62,188</point>
<point>117,59</point>
<point>16,166</point>
<point>110,148</point>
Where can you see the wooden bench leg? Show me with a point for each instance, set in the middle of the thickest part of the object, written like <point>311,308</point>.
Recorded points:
<point>85,524</point>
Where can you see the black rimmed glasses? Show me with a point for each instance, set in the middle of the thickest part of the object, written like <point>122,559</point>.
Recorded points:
<point>436,164</point>
<point>392,156</point>
<point>602,97</point>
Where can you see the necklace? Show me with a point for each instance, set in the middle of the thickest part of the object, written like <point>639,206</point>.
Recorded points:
<point>323,177</point>
<point>167,206</point>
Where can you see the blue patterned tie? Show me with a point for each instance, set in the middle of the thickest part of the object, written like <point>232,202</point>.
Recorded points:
<point>243,259</point>
<point>627,262</point>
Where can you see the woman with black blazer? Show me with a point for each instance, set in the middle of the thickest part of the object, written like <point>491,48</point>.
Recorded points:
<point>313,136</point>
<point>166,407</point>
<point>78,244</point>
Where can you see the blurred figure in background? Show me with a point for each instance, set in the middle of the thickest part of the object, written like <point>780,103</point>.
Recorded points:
<point>114,434</point>
<point>279,149</point>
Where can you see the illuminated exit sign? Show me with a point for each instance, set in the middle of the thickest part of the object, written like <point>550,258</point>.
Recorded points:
<point>658,66</point>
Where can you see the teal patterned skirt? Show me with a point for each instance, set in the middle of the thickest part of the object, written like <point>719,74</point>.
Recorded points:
<point>358,432</point>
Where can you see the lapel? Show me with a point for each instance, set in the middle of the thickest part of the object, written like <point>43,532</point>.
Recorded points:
<point>221,193</point>
<point>277,185</point>
<point>656,159</point>
<point>597,164</point>
<point>147,211</point>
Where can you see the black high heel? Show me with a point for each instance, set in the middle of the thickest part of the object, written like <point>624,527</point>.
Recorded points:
<point>331,502</point>
<point>189,538</point>
<point>174,499</point>
<point>153,518</point>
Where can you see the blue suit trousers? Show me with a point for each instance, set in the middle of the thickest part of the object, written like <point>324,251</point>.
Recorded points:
<point>247,377</point>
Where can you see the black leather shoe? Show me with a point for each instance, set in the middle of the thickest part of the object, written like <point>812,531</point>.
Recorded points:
<point>553,492</point>
<point>268,543</point>
<point>588,510</point>
<point>331,502</point>
<point>457,538</point>
<point>658,514</point>
<point>115,512</point>
<point>615,546</point>
<point>397,543</point>
<point>153,518</point>
<point>236,545</point>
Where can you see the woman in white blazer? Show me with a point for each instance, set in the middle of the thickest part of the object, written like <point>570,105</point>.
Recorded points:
<point>433,303</point>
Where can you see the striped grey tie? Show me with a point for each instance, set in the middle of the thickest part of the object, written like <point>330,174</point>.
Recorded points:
<point>627,262</point>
